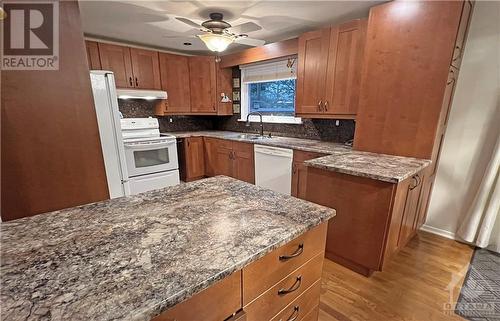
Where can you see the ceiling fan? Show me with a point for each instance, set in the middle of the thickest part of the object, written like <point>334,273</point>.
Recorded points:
<point>217,36</point>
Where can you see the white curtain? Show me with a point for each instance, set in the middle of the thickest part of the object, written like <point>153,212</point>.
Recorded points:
<point>481,226</point>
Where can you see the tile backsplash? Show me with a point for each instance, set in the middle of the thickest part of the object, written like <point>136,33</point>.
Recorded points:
<point>320,129</point>
<point>145,108</point>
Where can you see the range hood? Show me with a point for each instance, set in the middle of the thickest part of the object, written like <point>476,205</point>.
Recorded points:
<point>124,93</point>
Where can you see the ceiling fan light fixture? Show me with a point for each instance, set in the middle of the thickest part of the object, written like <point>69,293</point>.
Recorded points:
<point>217,42</point>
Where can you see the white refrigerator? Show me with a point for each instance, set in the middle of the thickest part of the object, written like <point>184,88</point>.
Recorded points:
<point>108,119</point>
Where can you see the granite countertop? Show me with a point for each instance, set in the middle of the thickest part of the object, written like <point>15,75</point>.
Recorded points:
<point>341,158</point>
<point>387,168</point>
<point>307,145</point>
<point>132,258</point>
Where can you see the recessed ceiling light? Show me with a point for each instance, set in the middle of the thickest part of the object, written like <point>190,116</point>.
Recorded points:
<point>187,44</point>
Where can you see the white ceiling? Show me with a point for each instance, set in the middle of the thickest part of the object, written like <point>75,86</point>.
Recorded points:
<point>154,23</point>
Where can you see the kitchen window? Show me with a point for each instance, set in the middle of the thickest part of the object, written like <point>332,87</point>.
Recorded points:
<point>269,88</point>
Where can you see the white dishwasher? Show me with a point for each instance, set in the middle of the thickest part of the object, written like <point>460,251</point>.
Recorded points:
<point>273,168</point>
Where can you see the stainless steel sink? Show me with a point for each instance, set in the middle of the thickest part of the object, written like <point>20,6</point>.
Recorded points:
<point>252,136</point>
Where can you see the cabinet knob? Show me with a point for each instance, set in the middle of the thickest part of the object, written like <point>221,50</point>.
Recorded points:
<point>136,82</point>
<point>326,105</point>
<point>320,102</point>
<point>130,81</point>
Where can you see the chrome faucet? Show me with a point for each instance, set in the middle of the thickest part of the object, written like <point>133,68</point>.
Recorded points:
<point>261,123</point>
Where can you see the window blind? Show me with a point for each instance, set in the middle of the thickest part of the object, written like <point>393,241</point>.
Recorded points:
<point>268,71</point>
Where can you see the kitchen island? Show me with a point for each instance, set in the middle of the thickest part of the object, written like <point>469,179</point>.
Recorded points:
<point>133,258</point>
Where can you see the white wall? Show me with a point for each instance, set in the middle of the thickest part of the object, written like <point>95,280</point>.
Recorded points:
<point>474,123</point>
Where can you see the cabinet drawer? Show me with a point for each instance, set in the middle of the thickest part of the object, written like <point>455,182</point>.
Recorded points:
<point>276,266</point>
<point>285,291</point>
<point>301,306</point>
<point>312,315</point>
<point>215,303</point>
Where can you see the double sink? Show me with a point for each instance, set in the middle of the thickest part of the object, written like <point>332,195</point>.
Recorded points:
<point>251,136</point>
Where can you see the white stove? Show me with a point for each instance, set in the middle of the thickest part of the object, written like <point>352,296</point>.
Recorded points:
<point>151,157</point>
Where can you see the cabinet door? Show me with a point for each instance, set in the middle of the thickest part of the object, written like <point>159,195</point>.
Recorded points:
<point>223,161</point>
<point>344,68</point>
<point>311,73</point>
<point>406,63</point>
<point>117,59</point>
<point>218,157</point>
<point>195,159</point>
<point>224,86</point>
<point>145,68</point>
<point>410,214</point>
<point>174,74</point>
<point>202,80</point>
<point>299,172</point>
<point>93,55</point>
<point>243,162</point>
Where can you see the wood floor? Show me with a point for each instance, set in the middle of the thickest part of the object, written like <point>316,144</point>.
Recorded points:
<point>413,285</point>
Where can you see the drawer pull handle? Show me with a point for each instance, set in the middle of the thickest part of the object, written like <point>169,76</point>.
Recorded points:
<point>294,315</point>
<point>295,286</point>
<point>298,252</point>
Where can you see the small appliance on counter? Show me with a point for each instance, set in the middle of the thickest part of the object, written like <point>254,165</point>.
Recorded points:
<point>151,157</point>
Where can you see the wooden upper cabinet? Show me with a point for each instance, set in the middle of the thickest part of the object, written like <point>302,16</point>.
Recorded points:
<point>345,60</point>
<point>311,71</point>
<point>329,71</point>
<point>224,86</point>
<point>404,77</point>
<point>202,81</point>
<point>93,55</point>
<point>174,72</point>
<point>117,59</point>
<point>145,68</point>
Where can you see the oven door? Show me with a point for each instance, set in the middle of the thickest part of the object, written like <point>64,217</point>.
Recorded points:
<point>150,157</point>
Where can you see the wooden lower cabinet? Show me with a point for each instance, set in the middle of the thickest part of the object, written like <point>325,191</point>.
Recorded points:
<point>243,162</point>
<point>302,306</point>
<point>229,158</point>
<point>191,158</point>
<point>271,302</point>
<point>285,284</point>
<point>292,278</point>
<point>374,218</point>
<point>277,265</point>
<point>217,303</point>
<point>299,171</point>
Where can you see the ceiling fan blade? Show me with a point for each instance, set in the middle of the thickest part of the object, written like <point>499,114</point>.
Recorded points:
<point>250,41</point>
<point>245,28</point>
<point>187,34</point>
<point>188,22</point>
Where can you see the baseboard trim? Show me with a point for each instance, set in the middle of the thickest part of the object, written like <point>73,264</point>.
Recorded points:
<point>438,231</point>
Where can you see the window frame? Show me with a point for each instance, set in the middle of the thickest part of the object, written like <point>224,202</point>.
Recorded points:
<point>245,99</point>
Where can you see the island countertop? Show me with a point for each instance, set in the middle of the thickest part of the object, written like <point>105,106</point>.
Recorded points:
<point>132,258</point>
